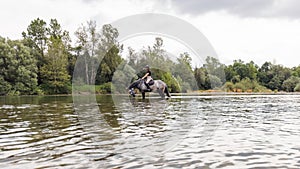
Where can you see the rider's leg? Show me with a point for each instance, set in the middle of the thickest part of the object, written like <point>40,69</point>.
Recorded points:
<point>148,87</point>
<point>147,84</point>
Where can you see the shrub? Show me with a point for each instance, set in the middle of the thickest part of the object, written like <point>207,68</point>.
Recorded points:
<point>239,86</point>
<point>5,87</point>
<point>215,81</point>
<point>260,88</point>
<point>228,87</point>
<point>172,82</point>
<point>249,86</point>
<point>290,84</point>
<point>297,88</point>
<point>56,89</point>
<point>104,88</point>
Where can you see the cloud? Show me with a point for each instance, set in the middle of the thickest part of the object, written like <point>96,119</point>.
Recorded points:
<point>242,8</point>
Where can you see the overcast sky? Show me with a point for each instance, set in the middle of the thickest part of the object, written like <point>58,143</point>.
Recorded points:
<point>258,30</point>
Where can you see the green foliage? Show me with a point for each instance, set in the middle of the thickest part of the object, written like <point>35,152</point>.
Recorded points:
<point>183,69</point>
<point>290,84</point>
<point>122,78</point>
<point>297,88</point>
<point>230,73</point>
<point>172,82</point>
<point>18,68</point>
<point>108,53</point>
<point>36,37</point>
<point>84,89</point>
<point>105,88</point>
<point>260,88</point>
<point>245,85</point>
<point>55,77</point>
<point>264,75</point>
<point>162,66</point>
<point>154,56</point>
<point>236,79</point>
<point>185,59</point>
<point>98,53</point>
<point>240,70</point>
<point>88,40</point>
<point>5,86</point>
<point>239,86</point>
<point>273,76</point>
<point>43,62</point>
<point>228,87</point>
<point>215,82</point>
<point>108,65</point>
<point>296,71</point>
<point>215,69</point>
<point>201,78</point>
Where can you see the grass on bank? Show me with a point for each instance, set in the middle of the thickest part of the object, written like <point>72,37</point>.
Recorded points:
<point>245,85</point>
<point>106,88</point>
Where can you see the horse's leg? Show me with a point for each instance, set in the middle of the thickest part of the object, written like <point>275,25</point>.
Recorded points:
<point>167,91</point>
<point>143,95</point>
<point>160,92</point>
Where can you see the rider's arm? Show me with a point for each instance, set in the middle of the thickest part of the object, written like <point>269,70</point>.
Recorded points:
<point>145,75</point>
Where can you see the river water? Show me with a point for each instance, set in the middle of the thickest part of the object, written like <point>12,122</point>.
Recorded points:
<point>115,131</point>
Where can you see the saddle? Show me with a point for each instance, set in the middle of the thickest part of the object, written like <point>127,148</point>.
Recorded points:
<point>151,82</point>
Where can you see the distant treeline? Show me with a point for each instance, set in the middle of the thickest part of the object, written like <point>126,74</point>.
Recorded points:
<point>45,61</point>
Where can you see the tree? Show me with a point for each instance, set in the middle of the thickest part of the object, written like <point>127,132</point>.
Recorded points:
<point>251,70</point>
<point>296,71</point>
<point>290,84</point>
<point>54,73</point>
<point>200,75</point>
<point>18,68</point>
<point>185,59</point>
<point>215,68</point>
<point>297,88</point>
<point>36,36</point>
<point>108,65</point>
<point>109,54</point>
<point>55,77</point>
<point>229,73</point>
<point>132,58</point>
<point>273,76</point>
<point>155,56</point>
<point>97,50</point>
<point>5,86</point>
<point>275,83</point>
<point>183,69</point>
<point>88,40</point>
<point>215,82</point>
<point>36,39</point>
<point>264,76</point>
<point>240,68</point>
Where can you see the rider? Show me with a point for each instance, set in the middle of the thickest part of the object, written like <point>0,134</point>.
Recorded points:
<point>148,77</point>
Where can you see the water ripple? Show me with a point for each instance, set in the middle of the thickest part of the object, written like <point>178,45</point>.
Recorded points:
<point>183,132</point>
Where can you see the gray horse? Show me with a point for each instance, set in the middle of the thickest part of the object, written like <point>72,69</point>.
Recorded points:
<point>156,85</point>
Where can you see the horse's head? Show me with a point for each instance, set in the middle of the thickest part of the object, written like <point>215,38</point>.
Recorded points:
<point>131,92</point>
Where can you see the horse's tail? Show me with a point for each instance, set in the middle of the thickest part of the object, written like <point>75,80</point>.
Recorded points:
<point>167,91</point>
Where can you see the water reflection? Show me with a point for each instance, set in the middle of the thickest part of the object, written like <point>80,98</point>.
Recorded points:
<point>107,109</point>
<point>119,132</point>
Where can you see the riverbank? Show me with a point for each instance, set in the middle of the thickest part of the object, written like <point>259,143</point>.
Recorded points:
<point>190,93</point>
